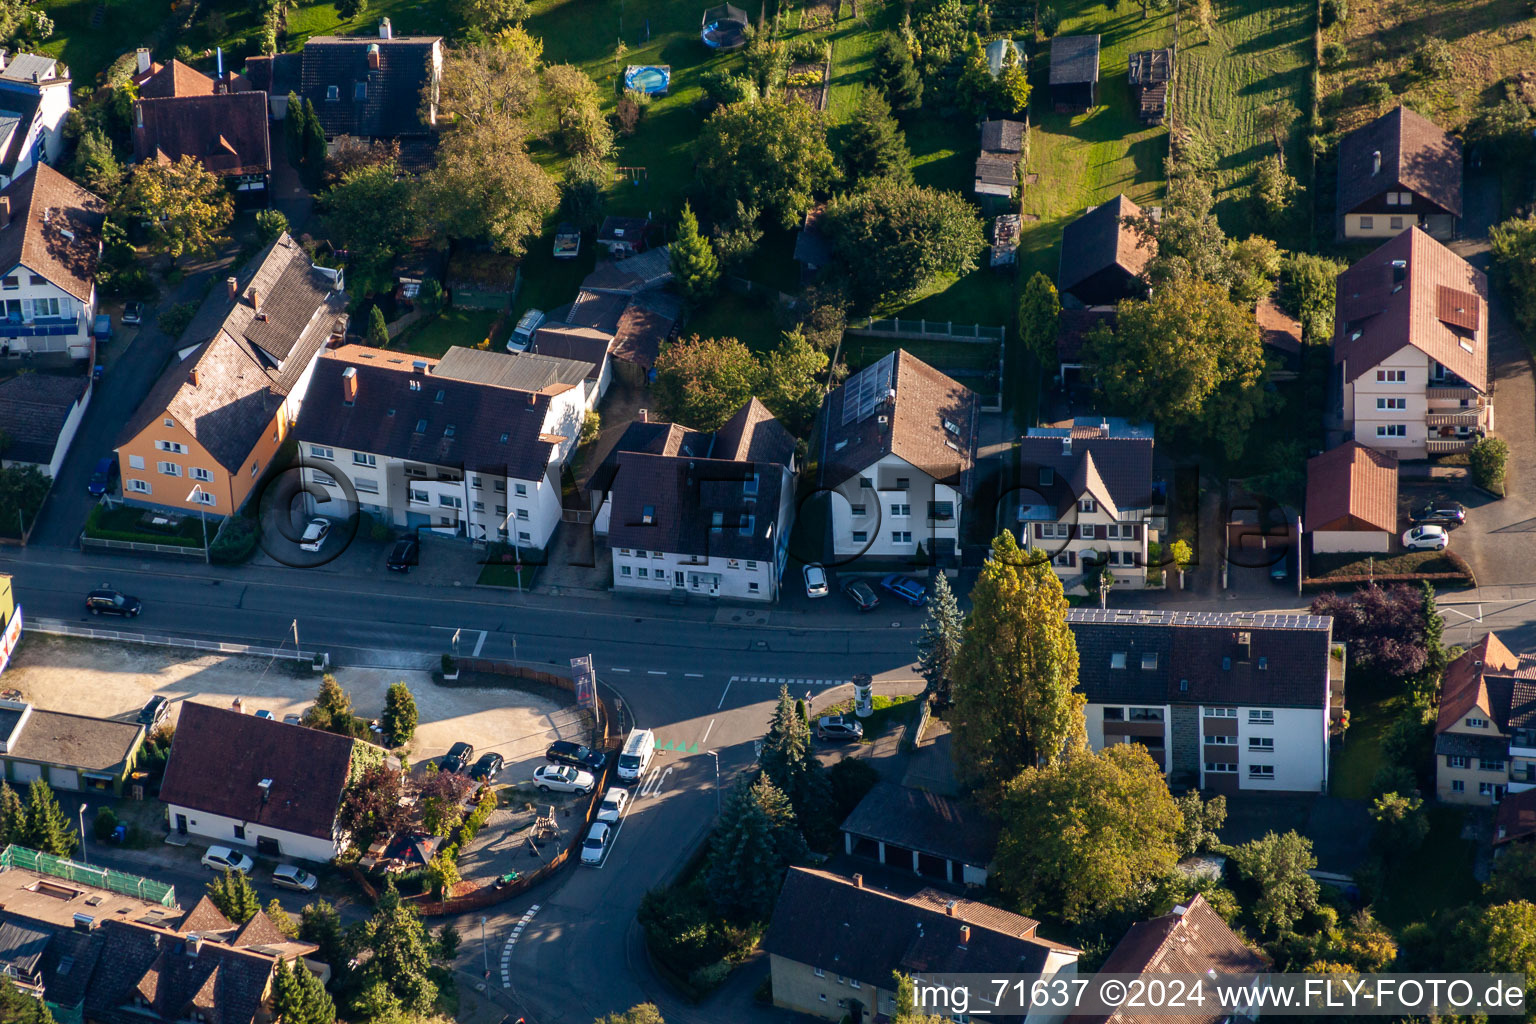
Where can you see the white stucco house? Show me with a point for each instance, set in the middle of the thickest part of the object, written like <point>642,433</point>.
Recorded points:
<point>896,447</point>
<point>458,455</point>
<point>34,101</point>
<point>238,780</point>
<point>687,512</point>
<point>1410,349</point>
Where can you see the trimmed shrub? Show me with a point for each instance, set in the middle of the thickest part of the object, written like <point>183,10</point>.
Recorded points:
<point>1489,456</point>
<point>1334,12</point>
<point>235,543</point>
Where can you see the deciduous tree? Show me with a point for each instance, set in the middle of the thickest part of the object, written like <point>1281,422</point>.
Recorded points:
<point>938,642</point>
<point>399,718</point>
<point>794,379</point>
<point>1276,869</point>
<point>581,194</point>
<point>441,800</point>
<point>234,895</point>
<point>485,185</point>
<point>1079,837</point>
<point>644,1013</point>
<point>371,212</point>
<point>700,382</point>
<point>481,81</point>
<point>1381,627</point>
<point>1514,873</point>
<point>892,238</point>
<point>772,155</point>
<point>1401,824</point>
<point>874,145</point>
<point>1202,822</point>
<point>489,15</point>
<point>1308,287</point>
<point>186,207</point>
<point>695,271</point>
<point>1013,83</point>
<point>1015,677</point>
<point>976,86</point>
<point>372,808</point>
<point>575,112</point>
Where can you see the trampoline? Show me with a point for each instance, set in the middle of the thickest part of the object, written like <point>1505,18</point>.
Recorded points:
<point>725,28</point>
<point>650,79</point>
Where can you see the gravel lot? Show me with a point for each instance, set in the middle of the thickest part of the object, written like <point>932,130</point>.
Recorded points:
<point>109,679</point>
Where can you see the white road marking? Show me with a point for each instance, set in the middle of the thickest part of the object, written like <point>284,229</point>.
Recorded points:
<point>652,784</point>
<point>618,670</point>
<point>706,733</point>
<point>724,692</point>
<point>1469,618</point>
<point>506,950</point>
<point>693,675</point>
<point>479,644</point>
<point>654,672</point>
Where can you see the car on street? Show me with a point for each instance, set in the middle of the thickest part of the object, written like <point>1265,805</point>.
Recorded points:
<point>839,727</point>
<point>906,588</point>
<point>862,595</point>
<point>112,602</point>
<point>487,767</point>
<point>291,876</point>
<point>222,858</point>
<point>1426,538</point>
<point>1450,514</point>
<point>562,778</point>
<point>816,580</point>
<point>614,802</point>
<point>154,712</point>
<point>405,554</point>
<point>315,534</point>
<point>133,312</point>
<point>596,843</point>
<point>102,477</point>
<point>264,713</point>
<point>292,719</point>
<point>457,757</point>
<point>566,752</point>
<point>1281,570</point>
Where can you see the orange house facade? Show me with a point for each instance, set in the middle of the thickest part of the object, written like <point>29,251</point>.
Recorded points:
<point>166,465</point>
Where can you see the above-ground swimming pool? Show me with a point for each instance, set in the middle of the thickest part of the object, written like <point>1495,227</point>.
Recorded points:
<point>651,79</point>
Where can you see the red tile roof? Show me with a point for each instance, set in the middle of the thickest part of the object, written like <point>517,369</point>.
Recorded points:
<point>1465,684</point>
<point>1413,291</point>
<point>1516,818</point>
<point>1352,487</point>
<point>175,79</point>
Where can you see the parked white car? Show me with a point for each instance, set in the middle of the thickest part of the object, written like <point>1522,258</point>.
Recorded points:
<point>1427,538</point>
<point>562,778</point>
<point>596,843</point>
<point>315,534</point>
<point>291,876</point>
<point>816,580</point>
<point>614,802</point>
<point>222,858</point>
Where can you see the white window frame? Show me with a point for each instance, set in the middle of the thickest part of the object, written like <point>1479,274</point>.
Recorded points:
<point>364,459</point>
<point>135,462</point>
<point>320,451</point>
<point>168,468</point>
<point>138,486</point>
<point>1261,772</point>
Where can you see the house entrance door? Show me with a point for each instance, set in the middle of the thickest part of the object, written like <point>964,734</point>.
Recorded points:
<point>181,824</point>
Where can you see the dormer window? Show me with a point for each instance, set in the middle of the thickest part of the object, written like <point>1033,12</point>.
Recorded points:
<point>749,486</point>
<point>421,426</point>
<point>360,91</point>
<point>1087,505</point>
<point>648,515</point>
<point>748,524</point>
<point>332,93</point>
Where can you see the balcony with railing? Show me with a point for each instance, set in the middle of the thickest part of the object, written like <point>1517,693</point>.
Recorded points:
<point>1448,445</point>
<point>44,326</point>
<point>1453,394</point>
<point>1457,418</point>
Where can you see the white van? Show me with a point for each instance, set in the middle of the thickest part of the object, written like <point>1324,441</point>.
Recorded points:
<point>636,756</point>
<point>527,327</point>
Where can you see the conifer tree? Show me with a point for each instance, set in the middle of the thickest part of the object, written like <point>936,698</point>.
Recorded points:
<point>897,74</point>
<point>46,828</point>
<point>400,716</point>
<point>13,816</point>
<point>976,84</point>
<point>754,844</point>
<point>875,146</point>
<point>293,129</point>
<point>234,895</point>
<point>1012,82</point>
<point>938,642</point>
<point>695,270</point>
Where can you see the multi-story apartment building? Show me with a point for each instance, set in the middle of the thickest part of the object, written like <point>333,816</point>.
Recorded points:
<point>1226,701</point>
<point>1410,348</point>
<point>50,240</point>
<point>211,424</point>
<point>1086,498</point>
<point>34,101</point>
<point>457,456</point>
<point>1485,735</point>
<point>897,446</point>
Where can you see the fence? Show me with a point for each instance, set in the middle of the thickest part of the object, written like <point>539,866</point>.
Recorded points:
<point>935,330</point>
<point>56,627</point>
<point>180,551</point>
<point>409,320</point>
<point>84,874</point>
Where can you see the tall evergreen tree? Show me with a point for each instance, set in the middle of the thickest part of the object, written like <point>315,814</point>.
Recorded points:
<point>1427,682</point>
<point>897,74</point>
<point>754,844</point>
<point>16,1007</point>
<point>400,716</point>
<point>875,146</point>
<point>1017,704</point>
<point>313,145</point>
<point>47,829</point>
<point>234,895</point>
<point>1039,312</point>
<point>293,129</point>
<point>786,745</point>
<point>332,709</point>
<point>695,270</point>
<point>976,85</point>
<point>938,641</point>
<point>13,816</point>
<point>1012,83</point>
<point>302,999</point>
<point>378,330</point>
<point>402,952</point>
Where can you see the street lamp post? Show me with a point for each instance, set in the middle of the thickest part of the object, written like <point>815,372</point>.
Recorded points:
<point>202,511</point>
<point>716,755</point>
<point>84,858</point>
<point>484,948</point>
<point>517,548</point>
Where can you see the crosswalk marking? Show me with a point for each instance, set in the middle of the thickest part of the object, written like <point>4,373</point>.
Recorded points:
<point>790,682</point>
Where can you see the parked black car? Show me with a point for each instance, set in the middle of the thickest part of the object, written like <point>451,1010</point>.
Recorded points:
<point>487,767</point>
<point>110,602</point>
<point>406,553</point>
<point>862,595</point>
<point>566,752</point>
<point>154,712</point>
<point>1440,513</point>
<point>457,757</point>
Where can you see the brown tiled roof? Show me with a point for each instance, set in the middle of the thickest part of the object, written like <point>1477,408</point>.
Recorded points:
<point>227,391</point>
<point>175,976</point>
<point>475,425</point>
<point>1073,325</point>
<point>1099,239</point>
<point>220,756</point>
<point>1122,465</point>
<point>1195,657</point>
<point>752,434</point>
<point>1491,677</point>
<point>1352,487</point>
<point>1516,818</point>
<point>668,503</point>
<point>55,230</point>
<point>1278,328</point>
<point>930,823</point>
<point>826,921</point>
<point>175,79</point>
<point>1392,299</point>
<point>226,133</point>
<point>33,410</point>
<point>389,104</point>
<point>924,400</point>
<point>259,931</point>
<point>204,917</point>
<point>1415,153</point>
<point>650,319</point>
<point>1193,942</point>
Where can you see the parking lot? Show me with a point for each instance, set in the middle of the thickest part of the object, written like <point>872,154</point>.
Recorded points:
<point>1496,538</point>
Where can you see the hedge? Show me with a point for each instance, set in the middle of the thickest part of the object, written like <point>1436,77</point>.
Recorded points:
<point>235,543</point>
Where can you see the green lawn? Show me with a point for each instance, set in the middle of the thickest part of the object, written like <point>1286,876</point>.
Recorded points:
<point>750,319</point>
<point>860,351</point>
<point>1407,563</point>
<point>888,713</point>
<point>548,282</point>
<point>1371,713</point>
<point>1437,876</point>
<point>452,327</point>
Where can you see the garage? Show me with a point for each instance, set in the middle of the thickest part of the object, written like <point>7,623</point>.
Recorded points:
<point>71,752</point>
<point>63,778</point>
<point>25,772</point>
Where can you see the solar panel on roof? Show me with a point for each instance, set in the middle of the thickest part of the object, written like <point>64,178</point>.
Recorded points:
<point>866,389</point>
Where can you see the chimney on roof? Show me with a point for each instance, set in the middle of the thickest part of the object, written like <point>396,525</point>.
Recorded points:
<point>237,705</point>
<point>1066,444</point>
<point>532,398</point>
<point>1180,910</point>
<point>386,31</point>
<point>255,300</point>
<point>965,934</point>
<point>373,56</point>
<point>349,385</point>
<point>5,211</point>
<point>197,377</point>
<point>858,880</point>
<point>232,285</point>
<point>645,415</point>
<point>143,60</point>
<point>1376,162</point>
<point>265,785</point>
<point>949,908</point>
